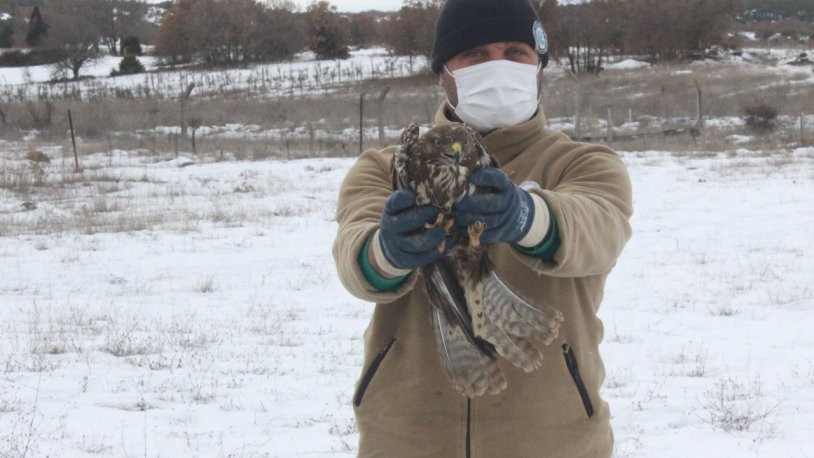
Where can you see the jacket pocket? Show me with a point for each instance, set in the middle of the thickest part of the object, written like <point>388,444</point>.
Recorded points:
<point>371,371</point>
<point>573,369</point>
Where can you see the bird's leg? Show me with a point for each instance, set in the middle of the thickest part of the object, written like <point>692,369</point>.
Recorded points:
<point>448,224</point>
<point>441,221</point>
<point>438,221</point>
<point>475,230</point>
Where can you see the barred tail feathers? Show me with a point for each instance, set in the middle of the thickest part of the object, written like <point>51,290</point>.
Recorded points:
<point>471,371</point>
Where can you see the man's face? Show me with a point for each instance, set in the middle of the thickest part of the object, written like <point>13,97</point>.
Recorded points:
<point>514,51</point>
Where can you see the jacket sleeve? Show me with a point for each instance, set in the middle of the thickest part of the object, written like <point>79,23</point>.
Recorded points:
<point>591,200</point>
<point>359,208</point>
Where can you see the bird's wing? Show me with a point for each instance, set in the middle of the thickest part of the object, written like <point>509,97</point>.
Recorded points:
<point>520,351</point>
<point>445,294</point>
<point>470,370</point>
<point>516,321</point>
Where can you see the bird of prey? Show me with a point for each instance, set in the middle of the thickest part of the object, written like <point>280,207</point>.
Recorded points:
<point>475,315</point>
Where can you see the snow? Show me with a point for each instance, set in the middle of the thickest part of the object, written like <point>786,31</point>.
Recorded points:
<point>738,139</point>
<point>100,68</point>
<point>302,76</point>
<point>627,64</point>
<point>166,306</point>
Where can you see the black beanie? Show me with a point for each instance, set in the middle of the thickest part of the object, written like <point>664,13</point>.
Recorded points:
<point>465,24</point>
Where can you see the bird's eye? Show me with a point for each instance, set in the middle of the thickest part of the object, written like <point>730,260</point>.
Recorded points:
<point>437,141</point>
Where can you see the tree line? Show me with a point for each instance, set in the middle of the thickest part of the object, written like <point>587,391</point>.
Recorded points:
<point>70,33</point>
<point>237,32</point>
<point>655,30</point>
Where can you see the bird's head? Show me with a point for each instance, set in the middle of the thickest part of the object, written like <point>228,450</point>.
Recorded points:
<point>451,150</point>
<point>448,144</point>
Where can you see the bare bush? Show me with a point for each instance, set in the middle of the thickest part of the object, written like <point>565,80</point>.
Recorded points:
<point>40,115</point>
<point>761,117</point>
<point>123,340</point>
<point>733,405</point>
<point>37,156</point>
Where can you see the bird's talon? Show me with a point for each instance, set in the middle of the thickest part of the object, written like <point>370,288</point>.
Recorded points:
<point>475,230</point>
<point>439,220</point>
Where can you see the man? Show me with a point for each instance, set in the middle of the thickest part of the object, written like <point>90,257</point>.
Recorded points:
<point>555,239</point>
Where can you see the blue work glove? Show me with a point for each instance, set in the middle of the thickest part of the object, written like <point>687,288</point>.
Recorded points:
<point>505,209</point>
<point>405,242</point>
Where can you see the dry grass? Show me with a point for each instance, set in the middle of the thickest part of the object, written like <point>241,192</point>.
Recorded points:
<point>735,405</point>
<point>327,125</point>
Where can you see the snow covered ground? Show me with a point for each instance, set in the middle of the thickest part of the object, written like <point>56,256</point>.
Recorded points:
<point>154,306</point>
<point>302,76</point>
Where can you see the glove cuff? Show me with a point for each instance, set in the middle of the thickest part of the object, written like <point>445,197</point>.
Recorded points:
<point>539,225</point>
<point>382,264</point>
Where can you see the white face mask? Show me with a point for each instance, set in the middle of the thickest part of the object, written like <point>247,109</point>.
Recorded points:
<point>497,93</point>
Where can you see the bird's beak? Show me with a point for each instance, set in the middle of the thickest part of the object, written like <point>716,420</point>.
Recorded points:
<point>456,148</point>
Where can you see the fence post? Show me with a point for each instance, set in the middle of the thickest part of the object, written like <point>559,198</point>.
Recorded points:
<point>183,102</point>
<point>380,109</point>
<point>311,139</point>
<point>802,129</point>
<point>73,141</point>
<point>577,116</point>
<point>699,122</point>
<point>610,124</point>
<point>361,121</point>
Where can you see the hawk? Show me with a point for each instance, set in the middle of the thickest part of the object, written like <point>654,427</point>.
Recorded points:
<point>475,316</point>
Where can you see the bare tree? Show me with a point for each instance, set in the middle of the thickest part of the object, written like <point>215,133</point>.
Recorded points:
<point>222,32</point>
<point>328,36</point>
<point>120,19</point>
<point>659,29</point>
<point>549,12</point>
<point>77,32</point>
<point>365,29</point>
<point>410,30</point>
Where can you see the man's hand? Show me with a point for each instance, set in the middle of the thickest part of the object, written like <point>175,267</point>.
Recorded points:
<point>405,242</point>
<point>505,209</point>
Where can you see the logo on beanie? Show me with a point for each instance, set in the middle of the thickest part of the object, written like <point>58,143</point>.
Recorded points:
<point>540,38</point>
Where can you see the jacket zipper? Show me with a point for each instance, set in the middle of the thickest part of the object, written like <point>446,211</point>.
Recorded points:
<point>371,371</point>
<point>468,427</point>
<point>573,369</point>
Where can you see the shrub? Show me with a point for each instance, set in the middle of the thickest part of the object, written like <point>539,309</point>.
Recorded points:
<point>761,117</point>
<point>129,65</point>
<point>26,58</point>
<point>37,156</point>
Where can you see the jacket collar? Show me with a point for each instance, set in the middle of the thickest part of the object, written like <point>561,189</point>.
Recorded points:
<point>504,143</point>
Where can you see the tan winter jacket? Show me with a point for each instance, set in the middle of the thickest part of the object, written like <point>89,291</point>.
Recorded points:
<point>406,405</point>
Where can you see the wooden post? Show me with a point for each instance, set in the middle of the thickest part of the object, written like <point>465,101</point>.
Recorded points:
<point>73,141</point>
<point>361,121</point>
<point>183,101</point>
<point>311,139</point>
<point>590,115</point>
<point>610,124</point>
<point>577,116</point>
<point>577,106</point>
<point>699,121</point>
<point>380,109</point>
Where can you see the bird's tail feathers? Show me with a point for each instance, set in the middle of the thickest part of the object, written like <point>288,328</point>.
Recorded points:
<point>471,372</point>
<point>446,294</point>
